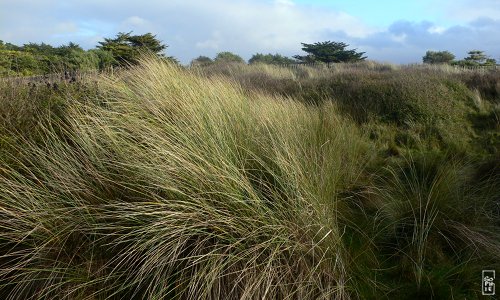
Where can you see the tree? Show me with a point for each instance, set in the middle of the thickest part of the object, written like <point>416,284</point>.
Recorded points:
<point>33,58</point>
<point>9,46</point>
<point>106,58</point>
<point>477,58</point>
<point>81,60</point>
<point>201,61</point>
<point>126,48</point>
<point>68,49</point>
<point>18,62</point>
<point>228,57</point>
<point>490,62</point>
<point>270,59</point>
<point>329,52</point>
<point>438,57</point>
<point>148,42</point>
<point>42,49</point>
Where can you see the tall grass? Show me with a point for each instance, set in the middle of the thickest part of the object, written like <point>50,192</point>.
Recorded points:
<point>172,185</point>
<point>430,106</point>
<point>163,183</point>
<point>436,225</point>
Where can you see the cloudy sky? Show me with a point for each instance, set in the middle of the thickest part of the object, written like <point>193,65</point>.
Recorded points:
<point>387,30</point>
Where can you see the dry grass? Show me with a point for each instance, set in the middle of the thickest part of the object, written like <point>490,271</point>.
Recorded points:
<point>167,184</point>
<point>180,186</point>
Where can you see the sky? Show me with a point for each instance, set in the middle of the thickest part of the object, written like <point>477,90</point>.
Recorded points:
<point>387,30</point>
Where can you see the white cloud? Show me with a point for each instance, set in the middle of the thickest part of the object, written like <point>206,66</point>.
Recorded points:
<point>399,38</point>
<point>469,10</point>
<point>199,27</point>
<point>436,29</point>
<point>243,26</point>
<point>135,21</point>
<point>212,43</point>
<point>419,37</point>
<point>285,2</point>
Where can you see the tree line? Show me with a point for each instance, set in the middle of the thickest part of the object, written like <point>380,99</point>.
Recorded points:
<point>34,59</point>
<point>324,52</point>
<point>475,58</point>
<point>125,48</point>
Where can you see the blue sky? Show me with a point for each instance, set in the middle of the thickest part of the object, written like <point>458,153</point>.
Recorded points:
<point>391,31</point>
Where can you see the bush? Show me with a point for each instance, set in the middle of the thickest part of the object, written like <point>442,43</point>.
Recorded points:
<point>228,57</point>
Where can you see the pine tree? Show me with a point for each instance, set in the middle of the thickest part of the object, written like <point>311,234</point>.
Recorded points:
<point>126,48</point>
<point>329,52</point>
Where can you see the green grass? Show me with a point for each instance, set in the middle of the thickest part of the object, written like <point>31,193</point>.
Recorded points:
<point>162,183</point>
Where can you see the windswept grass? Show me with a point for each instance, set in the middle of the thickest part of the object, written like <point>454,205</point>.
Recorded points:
<point>174,185</point>
<point>161,183</point>
<point>426,106</point>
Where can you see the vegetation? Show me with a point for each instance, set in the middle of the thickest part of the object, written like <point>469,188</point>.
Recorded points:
<point>126,48</point>
<point>438,57</point>
<point>476,58</point>
<point>329,52</point>
<point>37,59</point>
<point>270,59</point>
<point>201,61</point>
<point>33,59</point>
<point>250,181</point>
<point>228,57</point>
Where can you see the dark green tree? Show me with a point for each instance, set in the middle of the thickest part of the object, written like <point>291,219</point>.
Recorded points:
<point>270,59</point>
<point>66,50</point>
<point>490,62</point>
<point>476,57</point>
<point>73,57</point>
<point>329,52</point>
<point>106,59</point>
<point>438,57</point>
<point>126,48</point>
<point>147,42</point>
<point>228,57</point>
<point>82,60</point>
<point>40,49</point>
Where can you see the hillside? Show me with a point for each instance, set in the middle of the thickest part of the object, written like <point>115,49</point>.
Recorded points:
<point>250,182</point>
